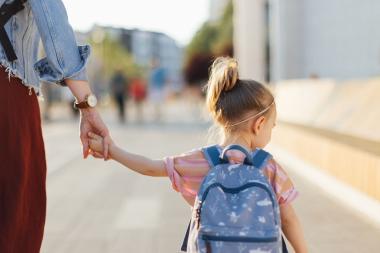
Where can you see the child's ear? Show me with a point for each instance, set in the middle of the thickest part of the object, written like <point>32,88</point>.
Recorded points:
<point>258,125</point>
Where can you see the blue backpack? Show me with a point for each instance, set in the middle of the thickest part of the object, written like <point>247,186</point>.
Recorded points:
<point>236,209</point>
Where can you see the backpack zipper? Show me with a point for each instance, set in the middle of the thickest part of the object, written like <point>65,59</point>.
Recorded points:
<point>238,239</point>
<point>232,191</point>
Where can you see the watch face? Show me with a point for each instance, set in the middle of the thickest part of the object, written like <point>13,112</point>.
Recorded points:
<point>92,100</point>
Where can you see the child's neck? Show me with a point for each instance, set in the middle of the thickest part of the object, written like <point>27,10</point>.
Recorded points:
<point>240,140</point>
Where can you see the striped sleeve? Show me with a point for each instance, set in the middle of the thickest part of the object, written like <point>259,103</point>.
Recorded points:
<point>281,183</point>
<point>186,173</point>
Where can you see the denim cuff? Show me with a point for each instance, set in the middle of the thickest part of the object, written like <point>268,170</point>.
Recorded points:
<point>46,72</point>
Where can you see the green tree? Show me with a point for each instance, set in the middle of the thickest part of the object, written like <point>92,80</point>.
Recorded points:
<point>211,40</point>
<point>114,57</point>
<point>203,40</point>
<point>224,41</point>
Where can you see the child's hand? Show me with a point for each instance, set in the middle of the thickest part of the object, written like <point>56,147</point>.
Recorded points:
<point>96,145</point>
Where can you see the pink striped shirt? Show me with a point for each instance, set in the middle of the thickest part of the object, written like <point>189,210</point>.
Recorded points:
<point>187,171</point>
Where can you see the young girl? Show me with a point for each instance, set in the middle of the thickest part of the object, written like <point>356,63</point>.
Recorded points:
<point>246,112</point>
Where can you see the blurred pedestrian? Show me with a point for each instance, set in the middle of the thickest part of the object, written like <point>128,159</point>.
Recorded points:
<point>138,92</point>
<point>22,154</point>
<point>119,89</point>
<point>157,83</point>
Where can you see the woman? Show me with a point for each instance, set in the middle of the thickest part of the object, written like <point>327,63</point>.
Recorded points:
<point>23,164</point>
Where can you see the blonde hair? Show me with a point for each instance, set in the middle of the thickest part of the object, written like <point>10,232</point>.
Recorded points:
<point>231,100</point>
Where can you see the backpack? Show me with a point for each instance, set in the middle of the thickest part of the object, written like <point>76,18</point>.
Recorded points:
<point>236,209</point>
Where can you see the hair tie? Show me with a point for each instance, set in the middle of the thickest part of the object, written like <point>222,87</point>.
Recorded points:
<point>251,117</point>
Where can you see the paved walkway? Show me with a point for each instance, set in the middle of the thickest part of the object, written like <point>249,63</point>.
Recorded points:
<point>101,207</point>
<point>329,226</point>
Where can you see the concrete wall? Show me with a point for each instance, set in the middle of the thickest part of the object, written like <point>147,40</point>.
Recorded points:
<point>352,166</point>
<point>249,38</point>
<point>350,107</point>
<point>343,110</point>
<point>287,42</point>
<point>331,39</point>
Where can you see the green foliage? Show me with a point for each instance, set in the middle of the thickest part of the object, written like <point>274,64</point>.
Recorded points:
<point>225,31</point>
<point>211,40</point>
<point>212,37</point>
<point>114,57</point>
<point>203,40</point>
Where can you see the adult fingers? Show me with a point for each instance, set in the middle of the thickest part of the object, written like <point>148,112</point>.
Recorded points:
<point>103,130</point>
<point>85,146</point>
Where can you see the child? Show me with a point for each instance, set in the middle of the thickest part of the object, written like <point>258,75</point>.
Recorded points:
<point>246,112</point>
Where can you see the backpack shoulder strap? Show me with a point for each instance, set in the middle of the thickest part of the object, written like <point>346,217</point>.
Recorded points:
<point>185,239</point>
<point>212,155</point>
<point>260,158</point>
<point>7,10</point>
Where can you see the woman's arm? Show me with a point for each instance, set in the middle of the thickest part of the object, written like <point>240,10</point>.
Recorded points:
<point>64,59</point>
<point>65,63</point>
<point>292,228</point>
<point>137,163</point>
<point>80,89</point>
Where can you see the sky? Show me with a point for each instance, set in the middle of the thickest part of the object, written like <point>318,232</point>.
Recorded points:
<point>178,18</point>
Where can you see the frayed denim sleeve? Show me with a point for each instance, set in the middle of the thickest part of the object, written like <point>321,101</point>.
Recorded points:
<point>64,58</point>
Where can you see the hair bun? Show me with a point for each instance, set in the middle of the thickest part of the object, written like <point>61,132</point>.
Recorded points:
<point>226,69</point>
<point>233,73</point>
<point>223,77</point>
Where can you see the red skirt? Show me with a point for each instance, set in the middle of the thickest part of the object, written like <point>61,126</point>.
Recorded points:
<point>22,169</point>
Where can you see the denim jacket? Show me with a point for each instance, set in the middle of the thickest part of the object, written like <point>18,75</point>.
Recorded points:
<point>45,19</point>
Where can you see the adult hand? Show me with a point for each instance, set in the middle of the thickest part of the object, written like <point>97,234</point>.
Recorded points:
<point>91,122</point>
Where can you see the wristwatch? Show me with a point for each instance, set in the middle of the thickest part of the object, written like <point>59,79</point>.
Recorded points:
<point>90,101</point>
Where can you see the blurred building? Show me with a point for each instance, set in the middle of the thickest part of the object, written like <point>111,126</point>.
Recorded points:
<point>146,46</point>
<point>276,40</point>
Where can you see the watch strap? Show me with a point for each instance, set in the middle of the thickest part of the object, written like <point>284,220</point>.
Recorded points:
<point>81,105</point>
